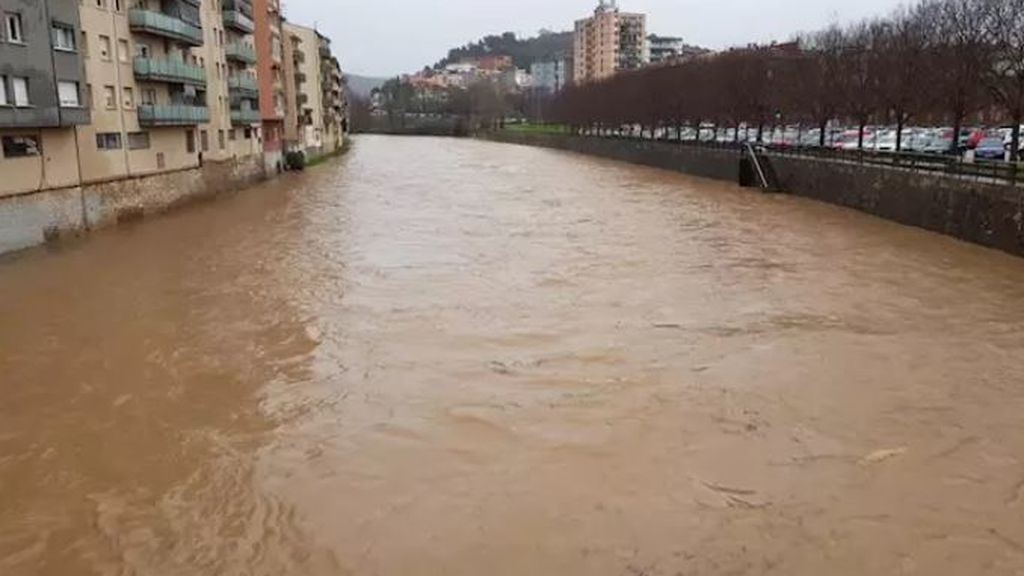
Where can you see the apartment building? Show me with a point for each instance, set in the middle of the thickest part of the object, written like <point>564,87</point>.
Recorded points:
<point>334,99</point>
<point>270,72</point>
<point>165,95</point>
<point>235,130</point>
<point>42,94</point>
<point>95,91</point>
<point>553,75</point>
<point>309,91</point>
<point>608,42</point>
<point>146,87</point>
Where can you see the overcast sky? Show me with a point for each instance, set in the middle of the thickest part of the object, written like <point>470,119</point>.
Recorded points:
<point>388,37</point>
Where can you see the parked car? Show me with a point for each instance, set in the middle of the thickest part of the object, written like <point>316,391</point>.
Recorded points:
<point>990,148</point>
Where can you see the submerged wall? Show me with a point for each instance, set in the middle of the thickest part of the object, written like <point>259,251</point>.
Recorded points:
<point>31,219</point>
<point>984,213</point>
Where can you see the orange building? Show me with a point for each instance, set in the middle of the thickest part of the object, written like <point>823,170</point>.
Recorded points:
<point>269,70</point>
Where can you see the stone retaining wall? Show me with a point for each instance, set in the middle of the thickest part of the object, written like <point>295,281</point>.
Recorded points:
<point>31,219</point>
<point>984,213</point>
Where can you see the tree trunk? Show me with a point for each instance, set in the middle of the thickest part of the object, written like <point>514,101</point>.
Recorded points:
<point>1018,117</point>
<point>823,126</point>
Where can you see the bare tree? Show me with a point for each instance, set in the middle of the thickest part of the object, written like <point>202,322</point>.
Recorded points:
<point>1005,74</point>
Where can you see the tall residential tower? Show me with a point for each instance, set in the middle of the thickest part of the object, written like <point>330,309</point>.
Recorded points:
<point>608,42</point>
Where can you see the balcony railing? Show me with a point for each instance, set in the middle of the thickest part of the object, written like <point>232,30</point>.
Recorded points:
<point>173,115</point>
<point>243,85</point>
<point>245,116</point>
<point>173,71</point>
<point>243,6</point>
<point>238,21</point>
<point>240,53</point>
<point>161,24</point>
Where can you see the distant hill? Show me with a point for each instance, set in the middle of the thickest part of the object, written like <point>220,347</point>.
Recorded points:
<point>524,51</point>
<point>362,86</point>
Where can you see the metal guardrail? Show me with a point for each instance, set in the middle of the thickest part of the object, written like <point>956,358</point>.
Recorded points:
<point>173,115</point>
<point>1007,172</point>
<point>240,52</point>
<point>169,70</point>
<point>164,25</point>
<point>938,164</point>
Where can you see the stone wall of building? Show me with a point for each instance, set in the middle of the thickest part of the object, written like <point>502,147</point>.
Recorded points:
<point>983,213</point>
<point>31,219</point>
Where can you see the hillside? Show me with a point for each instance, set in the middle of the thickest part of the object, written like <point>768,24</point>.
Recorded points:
<point>524,51</point>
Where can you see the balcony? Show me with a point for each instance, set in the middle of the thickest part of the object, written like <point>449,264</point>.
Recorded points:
<point>245,116</point>
<point>173,115</point>
<point>243,85</point>
<point>240,53</point>
<point>243,6</point>
<point>160,24</point>
<point>237,21</point>
<point>172,71</point>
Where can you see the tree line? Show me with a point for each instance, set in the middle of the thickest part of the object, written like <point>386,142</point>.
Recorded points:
<point>937,62</point>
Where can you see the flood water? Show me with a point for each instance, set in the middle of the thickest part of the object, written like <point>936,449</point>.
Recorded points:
<point>449,357</point>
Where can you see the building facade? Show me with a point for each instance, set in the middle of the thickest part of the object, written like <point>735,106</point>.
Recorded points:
<point>608,42</point>
<point>270,72</point>
<point>42,92</point>
<point>334,99</point>
<point>96,91</point>
<point>664,48</point>
<point>552,76</point>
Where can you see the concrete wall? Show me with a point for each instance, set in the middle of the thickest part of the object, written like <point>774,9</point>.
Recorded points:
<point>709,163</point>
<point>32,219</point>
<point>983,213</point>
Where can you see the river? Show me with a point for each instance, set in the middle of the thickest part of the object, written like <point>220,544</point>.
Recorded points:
<point>463,358</point>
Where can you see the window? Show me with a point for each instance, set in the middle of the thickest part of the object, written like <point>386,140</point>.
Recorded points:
<point>190,141</point>
<point>248,133</point>
<point>104,47</point>
<point>63,37</point>
<point>108,141</point>
<point>15,33</point>
<point>142,50</point>
<point>21,146</point>
<point>101,4</point>
<point>88,96</point>
<point>123,50</point>
<point>20,88</point>
<point>83,45</point>
<point>233,134</point>
<point>220,138</point>
<point>138,140</point>
<point>204,137</point>
<point>129,98</point>
<point>68,93</point>
<point>161,161</point>
<point>149,96</point>
<point>3,91</point>
<point>109,97</point>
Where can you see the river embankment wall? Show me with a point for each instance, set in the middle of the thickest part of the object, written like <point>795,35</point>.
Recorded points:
<point>28,220</point>
<point>984,213</point>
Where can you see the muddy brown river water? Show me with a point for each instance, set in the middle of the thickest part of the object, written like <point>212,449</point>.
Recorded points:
<point>445,357</point>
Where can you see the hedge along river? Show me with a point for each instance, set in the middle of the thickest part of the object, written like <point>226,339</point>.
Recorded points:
<point>457,357</point>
